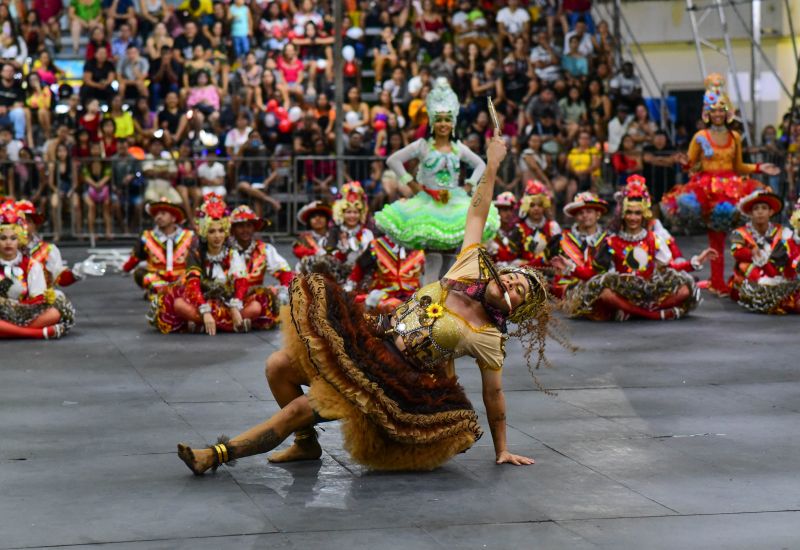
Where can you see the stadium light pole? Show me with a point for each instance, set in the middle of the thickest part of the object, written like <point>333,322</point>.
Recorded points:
<point>339,85</point>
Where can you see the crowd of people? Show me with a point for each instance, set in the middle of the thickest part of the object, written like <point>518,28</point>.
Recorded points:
<point>177,99</point>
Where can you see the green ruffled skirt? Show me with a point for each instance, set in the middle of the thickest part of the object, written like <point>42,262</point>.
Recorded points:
<point>422,223</point>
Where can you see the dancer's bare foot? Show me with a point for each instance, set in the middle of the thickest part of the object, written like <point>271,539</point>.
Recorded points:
<point>198,460</point>
<point>302,449</point>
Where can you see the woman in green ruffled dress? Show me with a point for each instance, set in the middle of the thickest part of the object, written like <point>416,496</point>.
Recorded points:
<point>433,219</point>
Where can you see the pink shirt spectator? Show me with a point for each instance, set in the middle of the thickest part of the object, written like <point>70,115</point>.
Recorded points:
<point>290,71</point>
<point>206,94</point>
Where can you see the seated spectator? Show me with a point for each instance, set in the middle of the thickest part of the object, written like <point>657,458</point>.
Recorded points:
<point>157,40</point>
<point>585,46</point>
<point>578,11</point>
<point>512,21</point>
<point>83,16</point>
<point>108,139</point>
<point>97,40</point>
<point>618,127</point>
<point>204,96</point>
<point>599,106</point>
<point>159,171</point>
<point>515,84</point>
<point>12,101</point>
<point>98,74</point>
<point>660,167</point>
<point>171,120</point>
<point>249,75</point>
<point>185,43</point>
<point>122,41</point>
<point>291,74</point>
<point>166,75</point>
<point>573,112</point>
<point>40,103</point>
<point>121,12</point>
<point>317,53</point>
<point>132,71</point>
<point>123,120</point>
<point>188,183</point>
<point>152,13</point>
<point>356,168</point>
<point>574,63</point>
<point>13,49</point>
<point>238,136</point>
<point>50,13</point>
<point>356,105</point>
<point>211,174</point>
<point>583,166</point>
<point>144,122</point>
<point>90,120</point>
<point>626,87</point>
<point>627,160</point>
<point>48,71</point>
<point>255,174</point>
<point>197,10</point>
<point>384,55</point>
<point>642,129</point>
<point>604,44</point>
<point>429,27</point>
<point>320,173</point>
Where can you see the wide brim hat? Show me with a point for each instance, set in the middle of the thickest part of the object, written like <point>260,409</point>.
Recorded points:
<point>176,210</point>
<point>244,214</point>
<point>315,207</point>
<point>747,203</point>
<point>585,200</point>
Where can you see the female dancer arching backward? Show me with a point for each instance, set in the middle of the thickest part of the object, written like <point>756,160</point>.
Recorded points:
<point>390,379</point>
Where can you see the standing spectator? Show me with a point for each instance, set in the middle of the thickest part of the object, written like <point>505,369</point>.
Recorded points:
<point>95,176</point>
<point>127,185</point>
<point>512,21</point>
<point>660,167</point>
<point>98,74</point>
<point>384,55</point>
<point>241,27</point>
<point>133,70</point>
<point>626,87</point>
<point>83,16</point>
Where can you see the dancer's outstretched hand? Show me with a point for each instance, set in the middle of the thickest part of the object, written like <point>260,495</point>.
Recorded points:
<point>504,457</point>
<point>496,150</point>
<point>770,169</point>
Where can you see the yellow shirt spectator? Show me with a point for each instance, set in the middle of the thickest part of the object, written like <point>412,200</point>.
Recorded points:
<point>581,159</point>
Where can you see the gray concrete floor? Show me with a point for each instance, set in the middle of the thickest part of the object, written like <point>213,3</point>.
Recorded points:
<point>663,435</point>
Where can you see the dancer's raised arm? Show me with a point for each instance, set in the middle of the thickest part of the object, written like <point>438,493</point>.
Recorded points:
<point>482,197</point>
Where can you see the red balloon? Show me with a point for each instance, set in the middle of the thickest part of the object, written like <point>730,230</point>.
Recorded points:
<point>349,69</point>
<point>379,125</point>
<point>285,126</point>
<point>272,104</point>
<point>281,113</point>
<point>291,35</point>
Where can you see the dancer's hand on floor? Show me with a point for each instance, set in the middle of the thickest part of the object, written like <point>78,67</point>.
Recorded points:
<point>236,317</point>
<point>504,457</point>
<point>211,326</point>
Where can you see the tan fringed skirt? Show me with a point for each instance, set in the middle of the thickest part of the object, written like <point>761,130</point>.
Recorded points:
<point>395,416</point>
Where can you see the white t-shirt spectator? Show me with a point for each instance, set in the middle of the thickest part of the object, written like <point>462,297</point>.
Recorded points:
<point>235,139</point>
<point>212,171</point>
<point>585,47</point>
<point>625,85</point>
<point>550,72</point>
<point>514,21</point>
<point>616,131</point>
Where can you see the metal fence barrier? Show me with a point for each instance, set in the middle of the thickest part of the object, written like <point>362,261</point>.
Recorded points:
<point>63,189</point>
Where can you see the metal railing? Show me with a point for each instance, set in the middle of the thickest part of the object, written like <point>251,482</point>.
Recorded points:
<point>64,195</point>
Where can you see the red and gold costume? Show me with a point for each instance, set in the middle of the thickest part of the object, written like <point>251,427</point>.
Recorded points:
<point>536,235</point>
<point>260,257</point>
<point>506,247</point>
<point>586,255</point>
<point>213,284</point>
<point>395,273</point>
<point>718,183</point>
<point>765,264</point>
<point>166,256</point>
<point>24,295</point>
<point>643,276</point>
